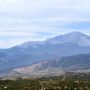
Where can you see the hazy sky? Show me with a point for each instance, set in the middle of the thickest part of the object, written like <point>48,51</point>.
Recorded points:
<point>25,20</point>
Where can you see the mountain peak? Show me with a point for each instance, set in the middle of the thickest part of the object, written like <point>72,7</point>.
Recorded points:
<point>72,37</point>
<point>76,33</point>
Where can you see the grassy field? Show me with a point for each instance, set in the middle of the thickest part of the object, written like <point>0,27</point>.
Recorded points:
<point>67,82</point>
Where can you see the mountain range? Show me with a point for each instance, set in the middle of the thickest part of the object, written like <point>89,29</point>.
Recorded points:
<point>76,63</point>
<point>67,52</point>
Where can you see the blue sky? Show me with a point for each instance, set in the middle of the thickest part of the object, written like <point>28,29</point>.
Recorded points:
<point>25,20</point>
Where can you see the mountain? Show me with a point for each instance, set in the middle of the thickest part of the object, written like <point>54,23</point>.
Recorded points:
<point>74,63</point>
<point>73,37</point>
<point>31,52</point>
<point>53,67</point>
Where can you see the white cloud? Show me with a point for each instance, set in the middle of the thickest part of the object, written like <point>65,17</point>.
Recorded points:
<point>16,34</point>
